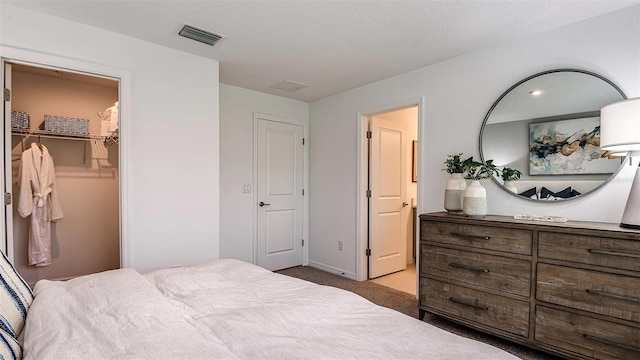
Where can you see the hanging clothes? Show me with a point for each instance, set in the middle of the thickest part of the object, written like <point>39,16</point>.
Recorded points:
<point>109,123</point>
<point>38,198</point>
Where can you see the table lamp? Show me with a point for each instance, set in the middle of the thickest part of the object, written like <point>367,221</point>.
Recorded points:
<point>620,134</point>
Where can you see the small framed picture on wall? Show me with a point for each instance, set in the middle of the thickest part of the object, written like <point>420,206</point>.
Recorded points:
<point>414,169</point>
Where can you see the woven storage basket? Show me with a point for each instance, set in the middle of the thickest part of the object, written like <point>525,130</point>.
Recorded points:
<point>20,121</point>
<point>66,126</point>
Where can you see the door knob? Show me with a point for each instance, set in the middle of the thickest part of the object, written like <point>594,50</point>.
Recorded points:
<point>404,204</point>
<point>262,204</point>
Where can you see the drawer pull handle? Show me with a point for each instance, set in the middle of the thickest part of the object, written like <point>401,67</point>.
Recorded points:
<point>467,303</point>
<point>614,253</point>
<point>472,237</point>
<point>467,267</point>
<point>604,293</point>
<point>609,342</point>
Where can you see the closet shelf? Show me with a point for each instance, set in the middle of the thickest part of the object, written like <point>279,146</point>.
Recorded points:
<point>43,134</point>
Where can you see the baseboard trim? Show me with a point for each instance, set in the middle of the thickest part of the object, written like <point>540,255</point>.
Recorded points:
<point>333,270</point>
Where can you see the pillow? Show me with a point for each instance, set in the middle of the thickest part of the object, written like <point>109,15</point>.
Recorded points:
<point>528,193</point>
<point>15,298</point>
<point>545,193</point>
<point>565,193</point>
<point>9,347</point>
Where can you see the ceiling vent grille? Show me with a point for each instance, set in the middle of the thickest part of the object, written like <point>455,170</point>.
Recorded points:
<point>200,35</point>
<point>288,85</point>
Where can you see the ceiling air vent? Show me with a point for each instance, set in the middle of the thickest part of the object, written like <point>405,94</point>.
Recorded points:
<point>200,35</point>
<point>288,85</point>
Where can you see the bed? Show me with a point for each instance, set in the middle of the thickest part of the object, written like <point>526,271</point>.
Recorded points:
<point>224,309</point>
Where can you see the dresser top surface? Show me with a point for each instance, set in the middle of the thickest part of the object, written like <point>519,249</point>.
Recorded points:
<point>534,224</point>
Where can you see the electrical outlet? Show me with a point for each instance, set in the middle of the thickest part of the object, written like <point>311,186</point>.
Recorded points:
<point>246,188</point>
<point>340,245</point>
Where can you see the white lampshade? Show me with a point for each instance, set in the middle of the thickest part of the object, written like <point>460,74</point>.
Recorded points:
<point>620,127</point>
<point>620,133</point>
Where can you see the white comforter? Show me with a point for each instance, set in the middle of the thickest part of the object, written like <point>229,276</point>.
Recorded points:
<point>226,309</point>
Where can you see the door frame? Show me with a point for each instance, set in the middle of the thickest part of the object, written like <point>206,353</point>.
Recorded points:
<point>305,183</point>
<point>362,176</point>
<point>6,233</point>
<point>48,61</point>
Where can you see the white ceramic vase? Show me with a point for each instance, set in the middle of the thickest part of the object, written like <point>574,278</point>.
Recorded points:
<point>475,199</point>
<point>509,186</point>
<point>454,193</point>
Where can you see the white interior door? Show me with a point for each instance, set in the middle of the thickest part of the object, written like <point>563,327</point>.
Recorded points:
<point>279,194</point>
<point>388,209</point>
<point>5,181</point>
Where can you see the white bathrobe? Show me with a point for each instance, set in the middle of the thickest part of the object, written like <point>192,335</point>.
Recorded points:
<point>38,198</point>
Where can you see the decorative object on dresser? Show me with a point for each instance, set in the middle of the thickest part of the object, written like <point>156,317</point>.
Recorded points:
<point>569,288</point>
<point>475,195</point>
<point>620,128</point>
<point>456,184</point>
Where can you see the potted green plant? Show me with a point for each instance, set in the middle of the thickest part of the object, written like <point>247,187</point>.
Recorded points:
<point>479,171</point>
<point>456,184</point>
<point>475,195</point>
<point>455,164</point>
<point>509,175</point>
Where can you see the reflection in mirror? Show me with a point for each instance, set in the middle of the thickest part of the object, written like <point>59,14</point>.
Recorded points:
<point>548,127</point>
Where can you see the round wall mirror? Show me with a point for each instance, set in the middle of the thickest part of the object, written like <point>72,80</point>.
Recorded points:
<point>547,127</point>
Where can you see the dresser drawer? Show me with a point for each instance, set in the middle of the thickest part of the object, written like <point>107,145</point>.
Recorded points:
<point>587,336</point>
<point>494,272</point>
<point>487,309</point>
<point>481,237</point>
<point>602,251</point>
<point>602,293</point>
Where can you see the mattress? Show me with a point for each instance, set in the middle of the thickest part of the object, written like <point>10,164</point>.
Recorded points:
<point>225,309</point>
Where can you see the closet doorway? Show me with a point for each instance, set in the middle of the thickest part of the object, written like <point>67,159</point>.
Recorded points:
<point>74,116</point>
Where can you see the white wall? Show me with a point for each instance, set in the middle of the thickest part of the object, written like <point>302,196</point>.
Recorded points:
<point>458,94</point>
<point>171,166</point>
<point>237,106</point>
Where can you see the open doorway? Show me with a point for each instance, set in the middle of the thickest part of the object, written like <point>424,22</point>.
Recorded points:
<point>392,197</point>
<point>69,117</point>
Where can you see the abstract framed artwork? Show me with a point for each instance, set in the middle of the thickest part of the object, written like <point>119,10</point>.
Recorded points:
<point>568,147</point>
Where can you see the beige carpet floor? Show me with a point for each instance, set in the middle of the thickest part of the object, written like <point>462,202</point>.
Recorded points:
<point>408,304</point>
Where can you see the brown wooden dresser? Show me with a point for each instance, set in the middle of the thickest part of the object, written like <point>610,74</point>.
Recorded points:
<point>572,288</point>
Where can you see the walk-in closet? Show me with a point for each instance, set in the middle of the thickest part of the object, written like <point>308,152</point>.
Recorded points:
<point>74,117</point>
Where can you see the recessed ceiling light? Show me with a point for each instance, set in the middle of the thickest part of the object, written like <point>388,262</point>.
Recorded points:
<point>288,85</point>
<point>535,92</point>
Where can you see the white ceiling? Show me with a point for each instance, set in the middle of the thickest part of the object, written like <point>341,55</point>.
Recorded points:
<point>331,46</point>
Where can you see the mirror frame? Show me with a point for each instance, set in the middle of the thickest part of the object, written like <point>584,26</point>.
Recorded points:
<point>505,93</point>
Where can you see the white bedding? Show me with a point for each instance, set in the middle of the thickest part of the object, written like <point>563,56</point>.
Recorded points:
<point>225,309</point>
